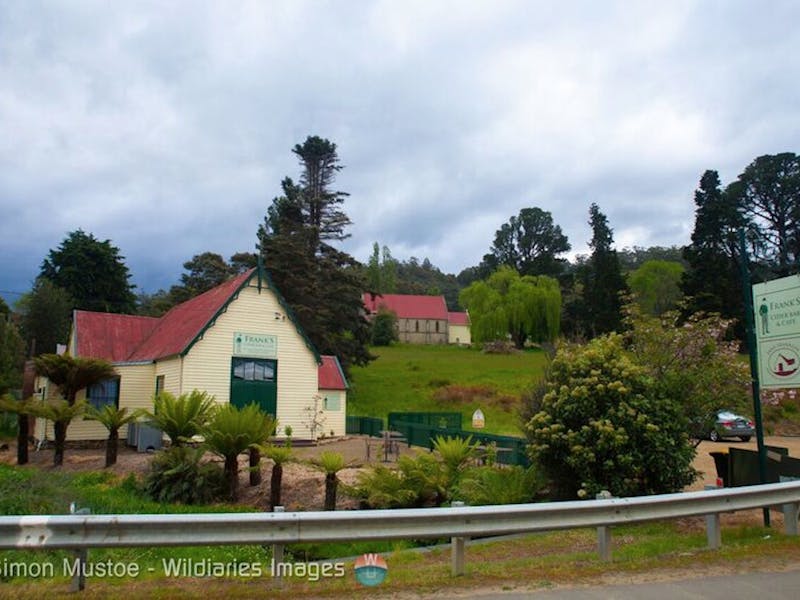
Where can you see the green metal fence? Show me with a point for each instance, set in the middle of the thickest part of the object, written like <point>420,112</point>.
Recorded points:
<point>440,420</point>
<point>371,426</point>
<point>509,450</point>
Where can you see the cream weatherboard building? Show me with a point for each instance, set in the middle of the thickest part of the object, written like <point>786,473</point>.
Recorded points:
<point>421,319</point>
<point>238,342</point>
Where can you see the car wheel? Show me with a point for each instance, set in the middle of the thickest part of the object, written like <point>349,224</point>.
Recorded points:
<point>744,438</point>
<point>713,436</point>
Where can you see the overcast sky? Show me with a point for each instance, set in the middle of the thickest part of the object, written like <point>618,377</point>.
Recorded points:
<point>168,126</point>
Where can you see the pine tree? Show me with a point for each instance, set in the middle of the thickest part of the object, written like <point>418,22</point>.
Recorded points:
<point>712,282</point>
<point>92,272</point>
<point>322,285</point>
<point>602,279</point>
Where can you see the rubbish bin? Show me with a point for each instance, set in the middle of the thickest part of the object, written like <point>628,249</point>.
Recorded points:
<point>723,464</point>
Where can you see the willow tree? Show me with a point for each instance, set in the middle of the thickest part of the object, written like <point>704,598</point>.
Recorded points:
<point>524,308</point>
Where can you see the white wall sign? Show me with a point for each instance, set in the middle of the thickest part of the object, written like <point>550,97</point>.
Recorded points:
<point>776,305</point>
<point>255,345</point>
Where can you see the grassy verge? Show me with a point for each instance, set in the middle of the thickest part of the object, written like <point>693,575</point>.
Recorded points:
<point>653,551</point>
<point>409,377</point>
<point>523,563</point>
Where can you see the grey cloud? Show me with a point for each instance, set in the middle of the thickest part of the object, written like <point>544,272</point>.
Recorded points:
<point>168,127</point>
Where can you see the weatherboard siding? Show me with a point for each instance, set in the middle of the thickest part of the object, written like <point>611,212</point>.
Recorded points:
<point>137,384</point>
<point>171,369</point>
<point>207,365</point>
<point>335,420</point>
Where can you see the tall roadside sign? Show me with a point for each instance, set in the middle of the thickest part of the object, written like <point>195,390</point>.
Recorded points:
<point>776,305</point>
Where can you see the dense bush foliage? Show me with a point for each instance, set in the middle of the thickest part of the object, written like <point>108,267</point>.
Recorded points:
<point>604,426</point>
<point>449,474</point>
<point>417,482</point>
<point>183,417</point>
<point>384,328</point>
<point>178,474</point>
<point>479,486</point>
<point>691,362</point>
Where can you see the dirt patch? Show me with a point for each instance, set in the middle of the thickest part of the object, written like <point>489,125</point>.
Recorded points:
<point>303,486</point>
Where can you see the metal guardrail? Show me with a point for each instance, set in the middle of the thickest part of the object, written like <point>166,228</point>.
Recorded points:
<point>78,532</point>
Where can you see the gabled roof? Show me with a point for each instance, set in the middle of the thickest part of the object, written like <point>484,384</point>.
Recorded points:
<point>129,338</point>
<point>178,329</point>
<point>331,376</point>
<point>458,318</point>
<point>109,336</point>
<point>408,306</point>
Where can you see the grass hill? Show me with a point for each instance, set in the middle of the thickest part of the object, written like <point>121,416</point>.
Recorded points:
<point>408,377</point>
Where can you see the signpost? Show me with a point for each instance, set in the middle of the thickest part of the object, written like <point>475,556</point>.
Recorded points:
<point>776,306</point>
<point>773,324</point>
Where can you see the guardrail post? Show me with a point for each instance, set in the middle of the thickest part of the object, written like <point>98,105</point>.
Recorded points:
<point>713,531</point>
<point>713,527</point>
<point>791,512</point>
<point>78,583</point>
<point>457,545</point>
<point>277,556</point>
<point>604,532</point>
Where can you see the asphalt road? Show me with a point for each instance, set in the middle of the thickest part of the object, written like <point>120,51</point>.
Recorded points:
<point>761,586</point>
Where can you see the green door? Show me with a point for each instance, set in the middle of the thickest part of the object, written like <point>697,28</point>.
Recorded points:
<point>255,381</point>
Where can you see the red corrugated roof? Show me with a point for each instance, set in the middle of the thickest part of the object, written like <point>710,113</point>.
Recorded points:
<point>330,375</point>
<point>109,336</point>
<point>458,318</point>
<point>408,306</point>
<point>184,322</point>
<point>128,338</point>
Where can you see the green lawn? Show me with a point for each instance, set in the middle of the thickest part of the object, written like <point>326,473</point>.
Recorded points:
<point>408,377</point>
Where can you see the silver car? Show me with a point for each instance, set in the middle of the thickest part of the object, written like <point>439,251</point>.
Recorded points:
<point>730,425</point>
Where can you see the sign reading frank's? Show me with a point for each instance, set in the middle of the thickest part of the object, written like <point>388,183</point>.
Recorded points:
<point>777,317</point>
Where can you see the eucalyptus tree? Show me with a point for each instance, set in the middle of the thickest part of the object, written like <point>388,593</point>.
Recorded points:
<point>767,194</point>
<point>530,243</point>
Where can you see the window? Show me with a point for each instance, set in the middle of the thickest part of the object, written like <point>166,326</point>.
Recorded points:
<point>332,403</point>
<point>253,369</point>
<point>417,329</point>
<point>159,384</point>
<point>437,326</point>
<point>104,393</point>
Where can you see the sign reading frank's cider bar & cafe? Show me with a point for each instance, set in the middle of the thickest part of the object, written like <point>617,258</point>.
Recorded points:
<point>777,322</point>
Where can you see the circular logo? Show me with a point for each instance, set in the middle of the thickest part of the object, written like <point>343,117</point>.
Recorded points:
<point>371,569</point>
<point>783,360</point>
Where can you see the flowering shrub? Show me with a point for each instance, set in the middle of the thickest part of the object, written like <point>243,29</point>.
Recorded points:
<point>691,363</point>
<point>602,425</point>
